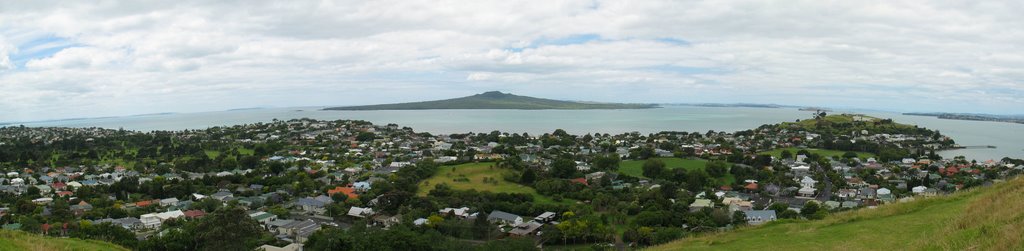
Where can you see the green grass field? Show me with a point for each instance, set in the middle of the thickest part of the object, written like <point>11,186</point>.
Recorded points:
<point>471,176</point>
<point>826,153</point>
<point>982,219</point>
<point>17,240</point>
<point>635,167</point>
<point>213,154</point>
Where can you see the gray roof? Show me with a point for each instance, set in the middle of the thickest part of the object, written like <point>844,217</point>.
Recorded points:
<point>309,202</point>
<point>280,223</point>
<point>500,215</point>
<point>761,214</point>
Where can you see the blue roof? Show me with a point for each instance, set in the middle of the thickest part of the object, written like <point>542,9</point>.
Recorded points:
<point>763,214</point>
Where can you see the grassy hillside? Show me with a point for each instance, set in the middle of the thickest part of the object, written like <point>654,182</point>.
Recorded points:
<point>495,100</point>
<point>17,240</point>
<point>472,175</point>
<point>635,167</point>
<point>981,219</point>
<point>826,153</point>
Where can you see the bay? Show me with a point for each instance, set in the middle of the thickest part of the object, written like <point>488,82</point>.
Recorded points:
<point>1007,137</point>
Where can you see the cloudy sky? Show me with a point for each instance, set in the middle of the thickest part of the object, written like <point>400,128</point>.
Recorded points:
<point>61,60</point>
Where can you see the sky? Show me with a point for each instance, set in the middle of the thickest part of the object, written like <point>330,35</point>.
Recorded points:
<point>113,58</point>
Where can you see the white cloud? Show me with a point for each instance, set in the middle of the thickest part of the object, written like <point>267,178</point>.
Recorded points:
<point>142,57</point>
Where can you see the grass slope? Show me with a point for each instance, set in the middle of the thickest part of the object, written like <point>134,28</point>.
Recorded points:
<point>456,176</point>
<point>17,240</point>
<point>981,219</point>
<point>495,100</point>
<point>635,167</point>
<point>825,153</point>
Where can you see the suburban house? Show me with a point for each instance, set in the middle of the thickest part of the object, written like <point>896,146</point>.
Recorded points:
<point>462,212</point>
<point>298,231</point>
<point>545,217</point>
<point>222,195</point>
<point>311,205</point>
<point>153,220</point>
<point>699,204</point>
<point>525,229</point>
<point>504,218</point>
<point>263,217</point>
<point>386,221</point>
<point>126,222</point>
<point>80,208</point>
<point>289,247</point>
<point>758,217</point>
<point>194,214</point>
<point>360,212</point>
<point>168,202</point>
<point>350,192</point>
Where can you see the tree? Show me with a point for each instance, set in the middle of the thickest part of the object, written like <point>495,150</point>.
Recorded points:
<point>739,218</point>
<point>528,177</point>
<point>789,214</point>
<point>365,136</point>
<point>106,232</point>
<point>229,163</point>
<point>607,162</point>
<point>811,211</point>
<point>435,220</point>
<point>697,180</point>
<point>717,168</point>
<point>654,168</point>
<point>249,162</point>
<point>563,168</point>
<point>481,227</point>
<point>779,207</point>
<point>849,155</point>
<point>229,228</point>
<point>786,154</point>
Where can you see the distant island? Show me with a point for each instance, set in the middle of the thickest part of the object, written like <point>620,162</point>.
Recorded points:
<point>496,100</point>
<point>747,105</point>
<point>971,116</point>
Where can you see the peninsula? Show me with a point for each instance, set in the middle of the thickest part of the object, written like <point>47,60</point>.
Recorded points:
<point>496,100</point>
<point>971,116</point>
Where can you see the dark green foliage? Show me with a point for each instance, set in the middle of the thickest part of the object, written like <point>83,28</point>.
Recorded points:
<point>528,177</point>
<point>654,168</point>
<point>365,136</point>
<point>106,232</point>
<point>563,168</point>
<point>813,211</point>
<point>717,168</point>
<point>607,162</point>
<point>228,228</point>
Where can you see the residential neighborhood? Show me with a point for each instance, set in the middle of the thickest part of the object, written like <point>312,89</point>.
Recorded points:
<point>299,181</point>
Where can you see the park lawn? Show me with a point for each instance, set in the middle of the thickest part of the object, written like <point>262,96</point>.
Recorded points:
<point>825,153</point>
<point>635,167</point>
<point>18,240</point>
<point>978,219</point>
<point>476,172</point>
<point>213,154</point>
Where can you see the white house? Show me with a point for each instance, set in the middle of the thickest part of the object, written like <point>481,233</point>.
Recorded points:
<point>505,218</point>
<point>462,212</point>
<point>807,181</point>
<point>168,202</point>
<point>360,212</point>
<point>918,189</point>
<point>806,191</point>
<point>153,220</point>
<point>883,191</point>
